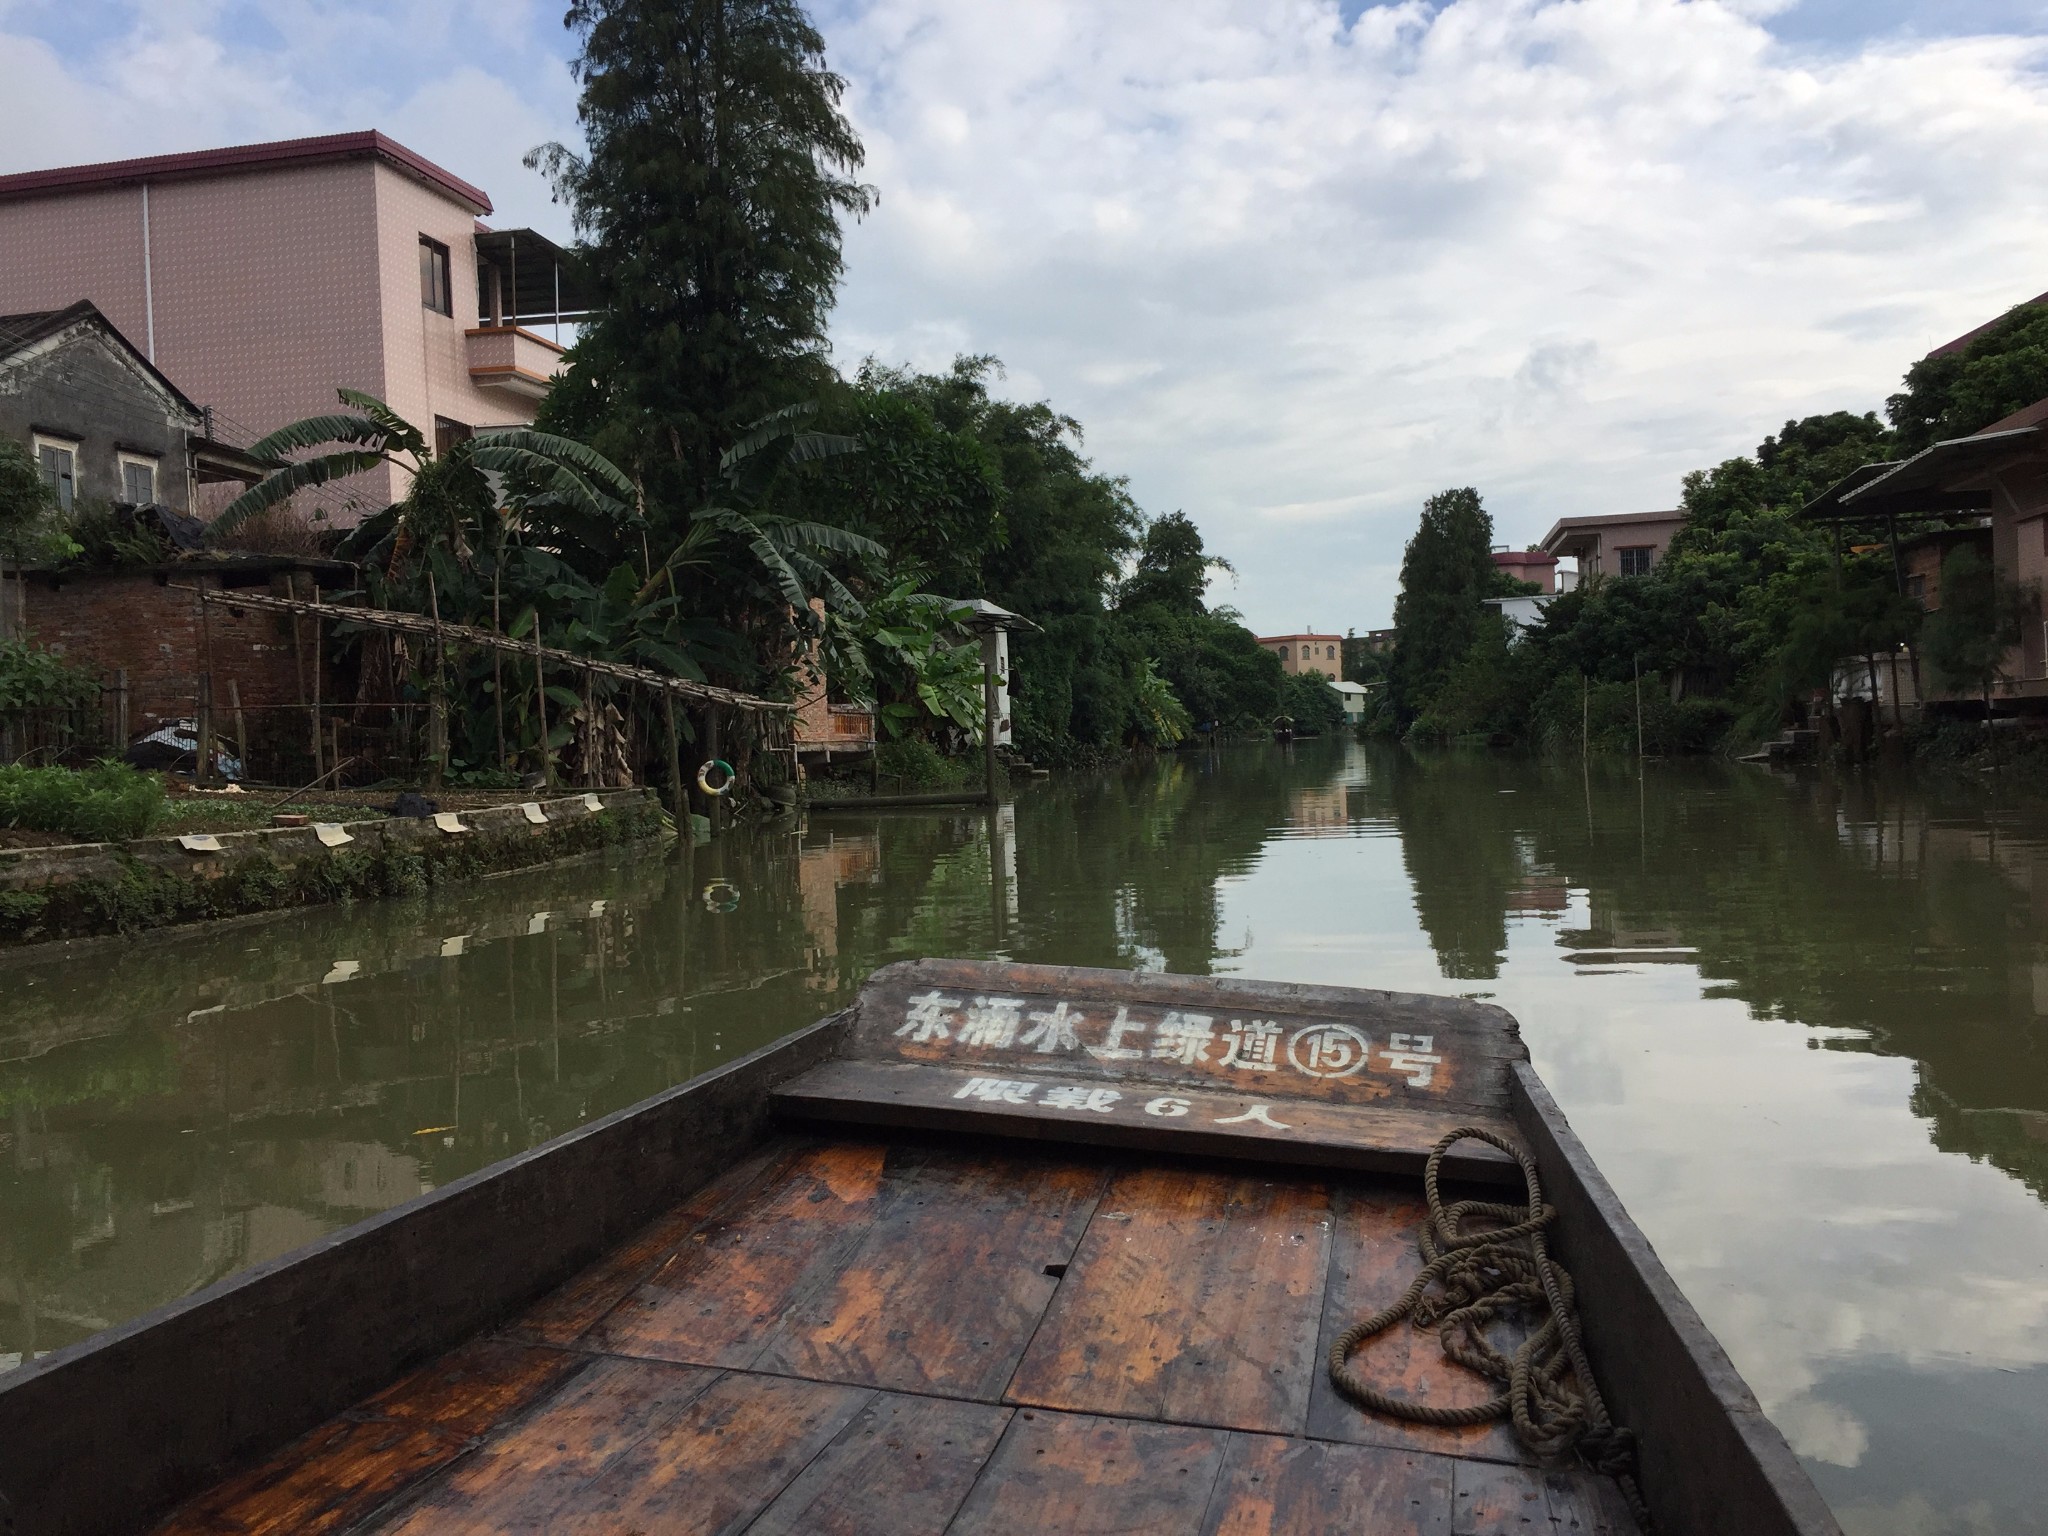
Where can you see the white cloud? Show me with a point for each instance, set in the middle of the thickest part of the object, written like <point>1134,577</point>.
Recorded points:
<point>1293,274</point>
<point>1294,277</point>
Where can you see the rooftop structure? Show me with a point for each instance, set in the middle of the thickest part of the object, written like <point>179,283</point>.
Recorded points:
<point>1614,544</point>
<point>1529,565</point>
<point>262,277</point>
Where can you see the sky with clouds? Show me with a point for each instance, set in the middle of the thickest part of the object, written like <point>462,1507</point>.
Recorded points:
<point>1294,263</point>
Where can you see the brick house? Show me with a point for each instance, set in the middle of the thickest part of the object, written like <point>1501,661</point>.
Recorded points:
<point>263,277</point>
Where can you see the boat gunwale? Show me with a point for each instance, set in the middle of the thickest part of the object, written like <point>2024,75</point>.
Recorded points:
<point>112,1432</point>
<point>1710,1460</point>
<point>109,1433</point>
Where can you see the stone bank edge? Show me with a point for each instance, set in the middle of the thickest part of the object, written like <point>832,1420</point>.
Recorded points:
<point>85,889</point>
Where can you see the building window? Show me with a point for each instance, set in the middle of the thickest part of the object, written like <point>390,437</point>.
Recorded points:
<point>138,479</point>
<point>58,461</point>
<point>436,284</point>
<point>1283,653</point>
<point>1916,589</point>
<point>1636,559</point>
<point>1329,653</point>
<point>448,433</point>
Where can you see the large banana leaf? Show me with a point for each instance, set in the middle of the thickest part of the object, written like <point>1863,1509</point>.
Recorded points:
<point>275,487</point>
<point>566,450</point>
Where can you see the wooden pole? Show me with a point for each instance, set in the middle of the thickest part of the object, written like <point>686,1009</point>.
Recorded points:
<point>590,747</point>
<point>988,717</point>
<point>121,708</point>
<point>313,709</point>
<point>497,656</point>
<point>540,699</point>
<point>202,770</point>
<point>437,700</point>
<point>678,796</point>
<point>241,732</point>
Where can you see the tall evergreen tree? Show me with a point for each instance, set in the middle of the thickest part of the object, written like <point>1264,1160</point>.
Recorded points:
<point>718,166</point>
<point>1446,573</point>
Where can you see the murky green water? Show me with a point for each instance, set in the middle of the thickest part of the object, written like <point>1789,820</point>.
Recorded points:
<point>1804,1027</point>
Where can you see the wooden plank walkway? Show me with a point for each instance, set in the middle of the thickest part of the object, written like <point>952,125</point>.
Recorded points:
<point>897,1334</point>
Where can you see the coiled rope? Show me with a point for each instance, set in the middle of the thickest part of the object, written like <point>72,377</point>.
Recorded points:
<point>1551,1398</point>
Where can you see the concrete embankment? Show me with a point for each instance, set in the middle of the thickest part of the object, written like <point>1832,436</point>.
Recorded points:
<point>94,888</point>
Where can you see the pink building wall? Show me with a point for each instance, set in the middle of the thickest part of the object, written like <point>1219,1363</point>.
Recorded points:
<point>269,288</point>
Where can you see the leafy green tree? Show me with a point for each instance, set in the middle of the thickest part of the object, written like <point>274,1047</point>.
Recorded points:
<point>1981,617</point>
<point>718,167</point>
<point>1953,394</point>
<point>929,491</point>
<point>1447,572</point>
<point>1173,567</point>
<point>1312,702</point>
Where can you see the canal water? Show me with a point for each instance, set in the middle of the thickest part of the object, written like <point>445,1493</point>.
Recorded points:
<point>1802,1024</point>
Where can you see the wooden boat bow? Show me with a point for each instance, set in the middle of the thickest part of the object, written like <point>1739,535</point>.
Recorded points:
<point>1000,1248</point>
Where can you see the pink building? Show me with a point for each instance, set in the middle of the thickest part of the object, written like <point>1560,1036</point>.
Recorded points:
<point>1529,565</point>
<point>263,277</point>
<point>1614,544</point>
<point>1307,653</point>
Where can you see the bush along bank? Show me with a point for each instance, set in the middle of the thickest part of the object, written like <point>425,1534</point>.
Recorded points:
<point>91,889</point>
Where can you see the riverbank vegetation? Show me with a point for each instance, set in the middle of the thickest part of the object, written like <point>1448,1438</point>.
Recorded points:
<point>1745,620</point>
<point>706,495</point>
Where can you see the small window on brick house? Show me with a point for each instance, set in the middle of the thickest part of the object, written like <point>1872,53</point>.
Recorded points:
<point>138,479</point>
<point>1916,589</point>
<point>57,459</point>
<point>437,290</point>
<point>1636,559</point>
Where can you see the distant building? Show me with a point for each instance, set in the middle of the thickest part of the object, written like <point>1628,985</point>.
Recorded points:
<point>1614,544</point>
<point>1379,641</point>
<point>1520,613</point>
<point>262,277</point>
<point>1529,565</point>
<point>1355,697</point>
<point>1307,653</point>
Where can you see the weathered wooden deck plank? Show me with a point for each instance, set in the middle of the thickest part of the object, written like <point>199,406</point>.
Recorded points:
<point>532,1475</point>
<point>1085,1476</point>
<point>949,1284</point>
<point>1494,1499</point>
<point>1195,1297</point>
<point>566,1314</point>
<point>1373,1257</point>
<point>719,1464</point>
<point>717,1295</point>
<point>901,1468</point>
<point>1027,1101</point>
<point>1284,1487</point>
<point>356,1464</point>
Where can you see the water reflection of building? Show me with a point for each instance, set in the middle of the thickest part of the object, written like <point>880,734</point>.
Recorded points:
<point>823,866</point>
<point>1318,810</point>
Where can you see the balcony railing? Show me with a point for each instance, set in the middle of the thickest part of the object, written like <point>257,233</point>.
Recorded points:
<point>506,357</point>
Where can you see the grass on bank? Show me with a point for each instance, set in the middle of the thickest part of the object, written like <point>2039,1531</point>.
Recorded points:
<point>108,802</point>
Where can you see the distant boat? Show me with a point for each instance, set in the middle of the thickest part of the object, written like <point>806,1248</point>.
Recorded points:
<point>1283,727</point>
<point>998,1248</point>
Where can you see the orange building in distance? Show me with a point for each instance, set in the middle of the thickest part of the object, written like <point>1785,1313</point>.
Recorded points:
<point>1307,653</point>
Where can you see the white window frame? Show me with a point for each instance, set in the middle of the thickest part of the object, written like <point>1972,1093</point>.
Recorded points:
<point>146,461</point>
<point>38,441</point>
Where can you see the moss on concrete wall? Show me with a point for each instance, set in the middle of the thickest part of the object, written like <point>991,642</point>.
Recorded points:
<point>126,888</point>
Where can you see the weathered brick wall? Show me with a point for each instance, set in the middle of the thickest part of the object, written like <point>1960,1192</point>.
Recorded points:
<point>141,622</point>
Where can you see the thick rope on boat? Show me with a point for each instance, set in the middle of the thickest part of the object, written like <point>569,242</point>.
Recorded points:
<point>1551,1398</point>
